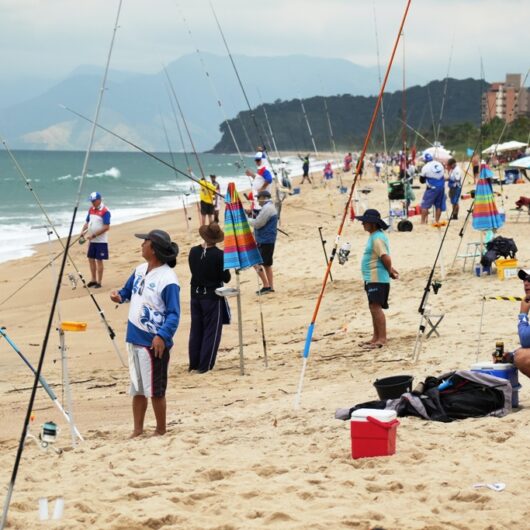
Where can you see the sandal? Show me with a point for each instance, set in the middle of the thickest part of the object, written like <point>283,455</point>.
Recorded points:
<point>373,347</point>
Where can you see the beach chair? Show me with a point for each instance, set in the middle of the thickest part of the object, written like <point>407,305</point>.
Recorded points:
<point>473,251</point>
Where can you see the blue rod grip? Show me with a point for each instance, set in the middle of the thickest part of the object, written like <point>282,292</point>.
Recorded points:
<point>308,338</point>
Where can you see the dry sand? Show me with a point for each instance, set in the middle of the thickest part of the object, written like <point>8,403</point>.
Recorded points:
<point>236,454</point>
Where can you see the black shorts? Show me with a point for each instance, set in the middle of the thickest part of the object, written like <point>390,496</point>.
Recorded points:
<point>378,293</point>
<point>476,171</point>
<point>206,208</point>
<point>266,250</point>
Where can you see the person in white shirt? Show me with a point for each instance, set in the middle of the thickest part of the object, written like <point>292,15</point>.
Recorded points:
<point>433,174</point>
<point>95,229</point>
<point>455,185</point>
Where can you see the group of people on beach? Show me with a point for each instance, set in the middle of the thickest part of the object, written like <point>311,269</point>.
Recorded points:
<point>154,291</point>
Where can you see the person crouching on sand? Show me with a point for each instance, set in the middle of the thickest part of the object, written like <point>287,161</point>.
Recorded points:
<point>377,270</point>
<point>154,314</point>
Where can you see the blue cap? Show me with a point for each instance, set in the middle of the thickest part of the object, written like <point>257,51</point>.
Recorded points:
<point>94,196</point>
<point>427,157</point>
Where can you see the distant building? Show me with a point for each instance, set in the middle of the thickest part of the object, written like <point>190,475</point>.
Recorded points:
<point>507,100</point>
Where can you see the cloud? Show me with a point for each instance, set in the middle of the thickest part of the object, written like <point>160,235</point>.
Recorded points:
<point>55,36</point>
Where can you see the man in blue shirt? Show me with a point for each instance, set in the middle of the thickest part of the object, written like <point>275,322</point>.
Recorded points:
<point>377,270</point>
<point>154,295</point>
<point>265,232</point>
<point>433,175</point>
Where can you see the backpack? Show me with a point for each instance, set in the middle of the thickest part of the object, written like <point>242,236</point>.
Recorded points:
<point>500,246</point>
<point>405,226</point>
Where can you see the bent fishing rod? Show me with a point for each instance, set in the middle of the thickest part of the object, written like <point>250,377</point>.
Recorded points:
<point>251,110</point>
<point>58,285</point>
<point>99,309</point>
<point>311,327</point>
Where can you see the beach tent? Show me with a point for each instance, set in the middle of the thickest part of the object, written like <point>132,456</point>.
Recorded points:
<point>438,152</point>
<point>503,148</point>
<point>240,250</point>
<point>521,163</point>
<point>485,213</point>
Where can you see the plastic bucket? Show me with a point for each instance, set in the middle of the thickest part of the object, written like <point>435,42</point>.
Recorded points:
<point>393,387</point>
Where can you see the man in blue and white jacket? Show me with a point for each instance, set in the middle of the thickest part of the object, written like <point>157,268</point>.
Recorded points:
<point>521,357</point>
<point>154,294</point>
<point>265,232</point>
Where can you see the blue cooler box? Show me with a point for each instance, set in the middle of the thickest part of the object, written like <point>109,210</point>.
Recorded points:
<point>504,371</point>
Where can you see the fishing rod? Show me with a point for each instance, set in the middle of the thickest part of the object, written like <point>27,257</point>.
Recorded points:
<point>47,388</point>
<point>309,128</point>
<point>214,90</point>
<point>57,287</point>
<point>311,327</point>
<point>437,133</point>
<point>184,150</point>
<point>332,139</point>
<point>269,125</point>
<point>379,77</point>
<point>251,110</point>
<point>176,174</point>
<point>323,241</point>
<point>171,86</point>
<point>99,309</point>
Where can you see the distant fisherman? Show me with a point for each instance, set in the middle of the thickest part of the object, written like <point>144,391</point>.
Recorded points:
<point>207,197</point>
<point>433,174</point>
<point>455,185</point>
<point>262,179</point>
<point>95,230</point>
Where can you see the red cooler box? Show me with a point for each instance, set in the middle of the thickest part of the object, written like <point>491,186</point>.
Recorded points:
<point>373,432</point>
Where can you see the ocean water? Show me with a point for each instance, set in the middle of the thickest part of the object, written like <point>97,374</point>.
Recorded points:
<point>132,185</point>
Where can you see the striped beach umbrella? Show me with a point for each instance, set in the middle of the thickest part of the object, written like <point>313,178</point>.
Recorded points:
<point>485,213</point>
<point>240,249</point>
<point>240,252</point>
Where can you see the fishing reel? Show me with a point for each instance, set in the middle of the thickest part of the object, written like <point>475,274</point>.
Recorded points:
<point>344,253</point>
<point>47,437</point>
<point>436,286</point>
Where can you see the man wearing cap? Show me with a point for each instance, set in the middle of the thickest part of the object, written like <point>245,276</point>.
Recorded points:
<point>209,311</point>
<point>265,231</point>
<point>433,174</point>
<point>95,229</point>
<point>305,169</point>
<point>207,197</point>
<point>216,197</point>
<point>521,356</point>
<point>262,178</point>
<point>377,270</point>
<point>154,313</point>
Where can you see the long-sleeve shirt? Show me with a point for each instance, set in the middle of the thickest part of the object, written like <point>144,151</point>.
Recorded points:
<point>524,330</point>
<point>266,224</point>
<point>155,305</point>
<point>207,271</point>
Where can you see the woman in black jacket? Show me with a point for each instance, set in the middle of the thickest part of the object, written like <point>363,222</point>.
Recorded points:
<point>208,310</point>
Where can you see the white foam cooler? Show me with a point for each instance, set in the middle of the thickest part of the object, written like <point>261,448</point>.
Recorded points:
<point>504,371</point>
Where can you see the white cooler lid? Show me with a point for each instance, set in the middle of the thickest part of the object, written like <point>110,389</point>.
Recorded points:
<point>381,415</point>
<point>492,366</point>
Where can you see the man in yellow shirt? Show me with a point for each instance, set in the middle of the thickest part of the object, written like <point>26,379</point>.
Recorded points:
<point>207,195</point>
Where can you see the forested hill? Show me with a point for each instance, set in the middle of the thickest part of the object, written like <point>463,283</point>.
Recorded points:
<point>350,118</point>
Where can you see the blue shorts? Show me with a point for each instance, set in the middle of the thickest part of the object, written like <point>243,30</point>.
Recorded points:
<point>454,195</point>
<point>434,196</point>
<point>99,251</point>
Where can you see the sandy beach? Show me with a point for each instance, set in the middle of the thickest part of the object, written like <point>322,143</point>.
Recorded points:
<point>237,455</point>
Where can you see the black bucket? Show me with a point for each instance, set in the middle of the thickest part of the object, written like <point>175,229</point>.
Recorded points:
<point>393,387</point>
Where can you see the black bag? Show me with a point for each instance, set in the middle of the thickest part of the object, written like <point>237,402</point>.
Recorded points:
<point>405,226</point>
<point>396,191</point>
<point>500,246</point>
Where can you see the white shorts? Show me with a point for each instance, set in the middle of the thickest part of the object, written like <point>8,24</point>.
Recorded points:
<point>148,373</point>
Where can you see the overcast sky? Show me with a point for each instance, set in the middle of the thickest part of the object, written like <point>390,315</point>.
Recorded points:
<point>52,37</point>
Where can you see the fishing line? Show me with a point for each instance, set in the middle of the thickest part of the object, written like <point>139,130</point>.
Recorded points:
<point>57,287</point>
<point>100,311</point>
<point>346,208</point>
<point>379,78</point>
<point>437,133</point>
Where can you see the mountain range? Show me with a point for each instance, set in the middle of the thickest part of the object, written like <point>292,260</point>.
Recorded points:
<point>137,106</point>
